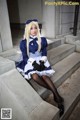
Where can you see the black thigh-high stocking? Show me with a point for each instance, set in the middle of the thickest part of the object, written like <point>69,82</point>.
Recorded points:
<point>47,83</point>
<point>52,87</point>
<point>57,97</point>
<point>39,80</point>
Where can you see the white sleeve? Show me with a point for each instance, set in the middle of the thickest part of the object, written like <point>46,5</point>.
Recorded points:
<point>44,58</point>
<point>31,60</point>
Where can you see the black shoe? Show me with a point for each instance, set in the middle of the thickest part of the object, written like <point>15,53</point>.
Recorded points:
<point>61,108</point>
<point>59,100</point>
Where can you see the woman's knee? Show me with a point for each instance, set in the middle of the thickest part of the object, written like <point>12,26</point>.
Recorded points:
<point>34,76</point>
<point>44,77</point>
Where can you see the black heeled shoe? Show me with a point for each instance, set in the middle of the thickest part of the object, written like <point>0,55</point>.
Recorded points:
<point>61,108</point>
<point>59,100</point>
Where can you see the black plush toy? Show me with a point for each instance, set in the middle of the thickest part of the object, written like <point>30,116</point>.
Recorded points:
<point>38,67</point>
<point>42,66</point>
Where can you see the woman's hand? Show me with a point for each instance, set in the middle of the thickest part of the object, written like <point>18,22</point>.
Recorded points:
<point>44,58</point>
<point>31,60</point>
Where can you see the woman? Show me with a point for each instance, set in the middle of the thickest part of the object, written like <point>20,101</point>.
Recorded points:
<point>35,64</point>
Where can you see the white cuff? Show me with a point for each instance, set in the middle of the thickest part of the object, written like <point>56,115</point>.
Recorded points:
<point>31,60</point>
<point>44,58</point>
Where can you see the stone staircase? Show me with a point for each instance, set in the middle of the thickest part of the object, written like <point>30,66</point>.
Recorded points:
<point>70,90</point>
<point>66,62</point>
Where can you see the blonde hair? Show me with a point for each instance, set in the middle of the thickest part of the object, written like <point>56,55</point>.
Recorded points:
<point>27,34</point>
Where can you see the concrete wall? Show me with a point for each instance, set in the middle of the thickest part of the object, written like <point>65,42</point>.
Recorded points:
<point>48,20</point>
<point>13,10</point>
<point>58,21</point>
<point>5,33</point>
<point>67,19</point>
<point>24,9</point>
<point>0,44</point>
<point>79,20</point>
<point>29,9</point>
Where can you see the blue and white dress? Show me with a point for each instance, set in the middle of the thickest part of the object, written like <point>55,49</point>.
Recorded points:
<point>25,66</point>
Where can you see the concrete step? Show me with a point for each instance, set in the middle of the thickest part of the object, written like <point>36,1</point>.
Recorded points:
<point>70,91</point>
<point>26,104</point>
<point>6,65</point>
<point>63,69</point>
<point>60,52</point>
<point>12,54</point>
<point>75,115</point>
<point>8,53</point>
<point>54,43</point>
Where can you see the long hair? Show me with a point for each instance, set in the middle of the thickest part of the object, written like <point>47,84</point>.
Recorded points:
<point>27,34</point>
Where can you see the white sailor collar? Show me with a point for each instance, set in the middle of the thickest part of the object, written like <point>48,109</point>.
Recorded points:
<point>32,37</point>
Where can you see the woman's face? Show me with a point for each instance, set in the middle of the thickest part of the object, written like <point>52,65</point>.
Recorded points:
<point>33,30</point>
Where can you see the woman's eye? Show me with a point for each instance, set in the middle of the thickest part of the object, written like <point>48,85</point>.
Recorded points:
<point>31,28</point>
<point>35,27</point>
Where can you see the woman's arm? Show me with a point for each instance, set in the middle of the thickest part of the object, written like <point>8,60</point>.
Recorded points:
<point>44,49</point>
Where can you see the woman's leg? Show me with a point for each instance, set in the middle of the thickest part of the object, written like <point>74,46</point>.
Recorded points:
<point>52,87</point>
<point>39,80</point>
<point>47,83</point>
<point>57,97</point>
